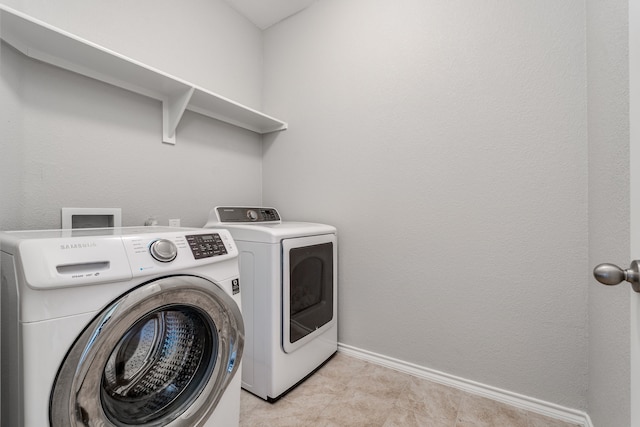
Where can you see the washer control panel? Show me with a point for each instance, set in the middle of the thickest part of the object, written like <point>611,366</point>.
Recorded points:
<point>65,258</point>
<point>247,214</point>
<point>206,245</point>
<point>175,250</point>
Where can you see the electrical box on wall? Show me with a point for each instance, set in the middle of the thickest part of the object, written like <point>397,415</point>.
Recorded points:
<point>91,217</point>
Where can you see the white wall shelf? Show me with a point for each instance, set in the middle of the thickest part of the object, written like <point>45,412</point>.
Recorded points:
<point>46,43</point>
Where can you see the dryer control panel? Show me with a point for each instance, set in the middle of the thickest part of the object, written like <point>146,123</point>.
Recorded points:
<point>247,214</point>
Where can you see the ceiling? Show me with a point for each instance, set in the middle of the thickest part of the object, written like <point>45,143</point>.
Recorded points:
<point>265,13</point>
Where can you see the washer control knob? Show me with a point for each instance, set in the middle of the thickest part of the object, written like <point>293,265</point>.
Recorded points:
<point>163,250</point>
<point>252,215</point>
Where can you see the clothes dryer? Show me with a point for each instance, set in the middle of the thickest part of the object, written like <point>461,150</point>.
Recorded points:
<point>289,273</point>
<point>120,327</point>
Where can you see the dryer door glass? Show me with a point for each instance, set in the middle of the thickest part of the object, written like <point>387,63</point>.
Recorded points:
<point>167,348</point>
<point>309,288</point>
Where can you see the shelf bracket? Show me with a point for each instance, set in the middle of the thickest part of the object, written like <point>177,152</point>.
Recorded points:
<point>173,108</point>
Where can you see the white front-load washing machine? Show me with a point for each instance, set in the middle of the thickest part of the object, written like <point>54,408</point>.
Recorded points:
<point>289,275</point>
<point>120,327</point>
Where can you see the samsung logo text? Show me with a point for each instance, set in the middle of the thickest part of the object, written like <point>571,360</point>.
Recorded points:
<point>78,246</point>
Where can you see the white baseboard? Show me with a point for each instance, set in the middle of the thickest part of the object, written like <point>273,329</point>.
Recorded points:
<point>514,399</point>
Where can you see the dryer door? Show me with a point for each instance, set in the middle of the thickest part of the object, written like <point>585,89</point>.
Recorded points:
<point>161,355</point>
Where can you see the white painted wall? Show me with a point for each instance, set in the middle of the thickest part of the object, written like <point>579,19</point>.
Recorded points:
<point>69,141</point>
<point>447,141</point>
<point>608,77</point>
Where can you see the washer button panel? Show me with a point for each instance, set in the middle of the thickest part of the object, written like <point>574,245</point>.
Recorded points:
<point>206,245</point>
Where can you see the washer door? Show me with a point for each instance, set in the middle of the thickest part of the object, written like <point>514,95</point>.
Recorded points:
<point>161,355</point>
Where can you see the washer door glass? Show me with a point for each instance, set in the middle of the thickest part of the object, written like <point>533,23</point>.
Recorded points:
<point>162,355</point>
<point>159,367</point>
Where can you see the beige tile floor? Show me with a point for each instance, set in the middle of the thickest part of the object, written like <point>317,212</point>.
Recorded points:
<point>349,392</point>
